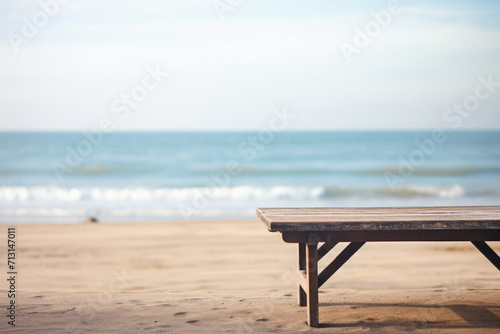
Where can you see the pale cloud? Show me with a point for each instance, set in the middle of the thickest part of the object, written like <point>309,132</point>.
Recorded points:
<point>440,12</point>
<point>230,74</point>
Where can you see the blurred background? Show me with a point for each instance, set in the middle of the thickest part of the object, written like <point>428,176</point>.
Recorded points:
<point>168,110</point>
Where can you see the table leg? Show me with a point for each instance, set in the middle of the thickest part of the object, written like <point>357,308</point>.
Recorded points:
<point>312,283</point>
<point>488,252</point>
<point>301,294</point>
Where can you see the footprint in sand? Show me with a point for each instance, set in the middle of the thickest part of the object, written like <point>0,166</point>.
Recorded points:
<point>136,302</point>
<point>178,314</point>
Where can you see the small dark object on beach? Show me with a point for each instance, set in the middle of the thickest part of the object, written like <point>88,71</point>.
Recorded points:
<point>92,220</point>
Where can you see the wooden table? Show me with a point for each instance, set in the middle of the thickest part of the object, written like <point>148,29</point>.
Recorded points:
<point>310,226</point>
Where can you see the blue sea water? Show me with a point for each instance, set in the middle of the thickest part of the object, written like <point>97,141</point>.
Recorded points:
<point>67,177</point>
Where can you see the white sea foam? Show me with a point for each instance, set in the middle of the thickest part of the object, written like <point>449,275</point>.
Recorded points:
<point>58,204</point>
<point>236,194</point>
<point>411,191</point>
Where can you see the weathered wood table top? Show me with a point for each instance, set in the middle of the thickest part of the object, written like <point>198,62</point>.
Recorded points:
<point>372,219</point>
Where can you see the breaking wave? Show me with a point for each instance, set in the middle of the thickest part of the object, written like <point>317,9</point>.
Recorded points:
<point>435,171</point>
<point>238,193</point>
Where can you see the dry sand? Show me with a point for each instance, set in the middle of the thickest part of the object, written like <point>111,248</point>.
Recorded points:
<point>234,277</point>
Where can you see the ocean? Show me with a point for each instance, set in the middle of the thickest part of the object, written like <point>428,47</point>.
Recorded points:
<point>126,177</point>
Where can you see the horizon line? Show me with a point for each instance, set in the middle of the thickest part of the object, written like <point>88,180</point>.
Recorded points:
<point>256,130</point>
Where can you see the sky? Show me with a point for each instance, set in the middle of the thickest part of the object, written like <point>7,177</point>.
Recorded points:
<point>230,65</point>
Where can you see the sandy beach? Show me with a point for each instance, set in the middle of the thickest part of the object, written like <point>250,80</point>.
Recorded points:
<point>235,276</point>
